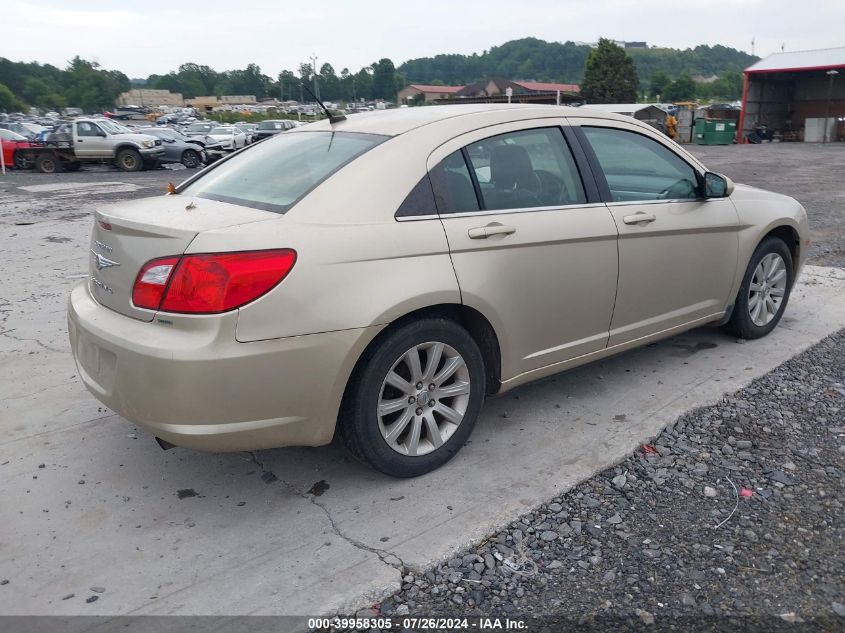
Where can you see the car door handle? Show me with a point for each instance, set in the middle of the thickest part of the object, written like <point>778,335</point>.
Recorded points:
<point>639,217</point>
<point>482,232</point>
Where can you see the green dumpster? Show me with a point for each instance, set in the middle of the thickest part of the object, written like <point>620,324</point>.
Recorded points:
<point>714,132</point>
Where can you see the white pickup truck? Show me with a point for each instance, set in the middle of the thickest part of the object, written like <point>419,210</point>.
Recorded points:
<point>95,140</point>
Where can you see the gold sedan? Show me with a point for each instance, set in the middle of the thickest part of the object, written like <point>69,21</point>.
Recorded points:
<point>382,275</point>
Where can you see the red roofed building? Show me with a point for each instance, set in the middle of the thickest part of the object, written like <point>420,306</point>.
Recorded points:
<point>798,95</point>
<point>429,93</point>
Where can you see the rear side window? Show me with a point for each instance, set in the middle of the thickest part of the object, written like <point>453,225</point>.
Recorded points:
<point>525,169</point>
<point>275,175</point>
<point>638,168</point>
<point>453,188</point>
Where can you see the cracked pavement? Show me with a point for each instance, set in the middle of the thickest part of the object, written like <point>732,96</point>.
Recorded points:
<point>91,501</point>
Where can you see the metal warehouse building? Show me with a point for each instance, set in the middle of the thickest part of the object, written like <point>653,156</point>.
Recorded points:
<point>792,94</point>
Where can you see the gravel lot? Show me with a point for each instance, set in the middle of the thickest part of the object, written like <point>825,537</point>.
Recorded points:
<point>731,519</point>
<point>809,172</point>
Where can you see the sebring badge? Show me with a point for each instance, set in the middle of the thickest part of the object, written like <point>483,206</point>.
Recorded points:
<point>103,262</point>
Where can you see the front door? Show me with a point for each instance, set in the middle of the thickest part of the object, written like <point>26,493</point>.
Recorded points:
<point>531,249</point>
<point>677,249</point>
<point>90,141</point>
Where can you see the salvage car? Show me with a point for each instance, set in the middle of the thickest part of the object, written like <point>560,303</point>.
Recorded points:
<point>248,129</point>
<point>198,129</point>
<point>272,127</point>
<point>11,143</point>
<point>178,148</point>
<point>229,137</point>
<point>381,276</point>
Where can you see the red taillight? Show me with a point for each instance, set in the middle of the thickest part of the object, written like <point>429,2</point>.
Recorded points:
<point>210,283</point>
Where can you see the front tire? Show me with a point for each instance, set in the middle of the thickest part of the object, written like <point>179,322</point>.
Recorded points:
<point>129,160</point>
<point>414,398</point>
<point>191,159</point>
<point>764,292</point>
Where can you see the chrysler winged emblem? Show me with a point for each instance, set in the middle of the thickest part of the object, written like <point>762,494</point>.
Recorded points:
<point>103,262</point>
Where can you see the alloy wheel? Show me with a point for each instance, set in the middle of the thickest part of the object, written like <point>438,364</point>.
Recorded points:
<point>767,289</point>
<point>423,399</point>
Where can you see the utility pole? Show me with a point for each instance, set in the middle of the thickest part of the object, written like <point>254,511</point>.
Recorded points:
<point>832,74</point>
<point>313,59</point>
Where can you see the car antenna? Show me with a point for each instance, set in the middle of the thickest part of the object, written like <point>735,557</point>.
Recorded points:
<point>333,118</point>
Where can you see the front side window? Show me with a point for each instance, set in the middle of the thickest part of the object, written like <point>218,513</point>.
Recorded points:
<point>638,168</point>
<point>274,176</point>
<point>525,169</point>
<point>88,129</point>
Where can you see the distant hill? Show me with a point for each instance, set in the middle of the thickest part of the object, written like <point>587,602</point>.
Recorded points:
<point>532,58</point>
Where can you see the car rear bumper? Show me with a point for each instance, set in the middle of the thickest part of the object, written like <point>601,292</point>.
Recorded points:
<point>192,384</point>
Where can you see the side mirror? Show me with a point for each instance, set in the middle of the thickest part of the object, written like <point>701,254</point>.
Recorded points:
<point>717,185</point>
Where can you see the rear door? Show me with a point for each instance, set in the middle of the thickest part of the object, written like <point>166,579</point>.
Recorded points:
<point>677,249</point>
<point>533,248</point>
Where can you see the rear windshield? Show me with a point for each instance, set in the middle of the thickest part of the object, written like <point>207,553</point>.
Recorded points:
<point>270,125</point>
<point>276,174</point>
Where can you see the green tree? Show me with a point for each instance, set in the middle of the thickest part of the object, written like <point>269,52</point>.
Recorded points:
<point>384,81</point>
<point>330,86</point>
<point>8,101</point>
<point>609,75</point>
<point>363,84</point>
<point>659,83</point>
<point>288,86</point>
<point>727,86</point>
<point>682,89</point>
<point>88,87</point>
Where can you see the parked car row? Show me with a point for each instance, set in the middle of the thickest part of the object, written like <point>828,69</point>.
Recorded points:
<point>67,144</point>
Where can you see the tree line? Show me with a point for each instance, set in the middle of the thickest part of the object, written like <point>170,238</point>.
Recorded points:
<point>665,72</point>
<point>376,81</point>
<point>81,84</point>
<point>566,62</point>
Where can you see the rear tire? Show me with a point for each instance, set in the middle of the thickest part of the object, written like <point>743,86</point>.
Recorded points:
<point>764,291</point>
<point>129,160</point>
<point>392,418</point>
<point>48,163</point>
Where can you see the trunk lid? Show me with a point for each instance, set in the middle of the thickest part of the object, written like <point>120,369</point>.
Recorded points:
<point>127,236</point>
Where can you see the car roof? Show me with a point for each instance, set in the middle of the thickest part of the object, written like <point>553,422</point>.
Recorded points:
<point>400,120</point>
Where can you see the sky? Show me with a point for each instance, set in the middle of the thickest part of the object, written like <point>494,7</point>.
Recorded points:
<point>140,38</point>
